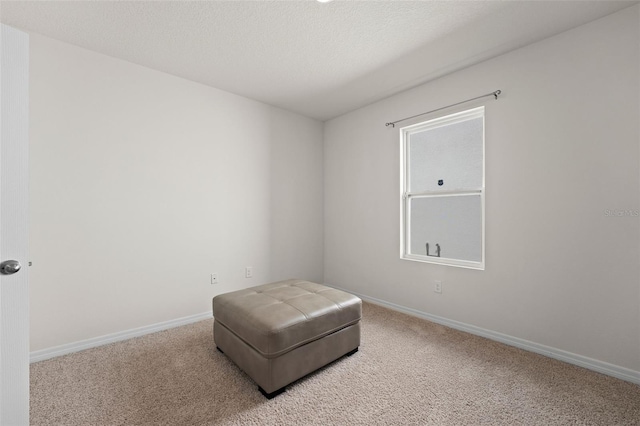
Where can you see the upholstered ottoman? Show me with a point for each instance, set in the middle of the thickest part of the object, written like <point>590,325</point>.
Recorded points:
<point>280,332</point>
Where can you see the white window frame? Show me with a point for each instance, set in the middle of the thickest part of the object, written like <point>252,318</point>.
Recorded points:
<point>405,195</point>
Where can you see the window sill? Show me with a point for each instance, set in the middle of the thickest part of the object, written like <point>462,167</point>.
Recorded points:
<point>444,261</point>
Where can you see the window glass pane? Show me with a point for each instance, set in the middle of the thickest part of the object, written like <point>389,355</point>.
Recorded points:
<point>454,222</point>
<point>451,154</point>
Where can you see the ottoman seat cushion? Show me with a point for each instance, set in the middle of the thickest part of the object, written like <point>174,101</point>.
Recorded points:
<point>279,317</point>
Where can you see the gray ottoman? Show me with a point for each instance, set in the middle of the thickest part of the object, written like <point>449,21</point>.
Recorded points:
<point>280,332</point>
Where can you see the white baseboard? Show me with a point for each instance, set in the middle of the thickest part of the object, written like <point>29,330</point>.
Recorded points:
<point>56,351</point>
<point>559,354</point>
<point>579,360</point>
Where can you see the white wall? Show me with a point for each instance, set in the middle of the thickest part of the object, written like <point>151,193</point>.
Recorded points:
<point>142,184</point>
<point>562,147</point>
<point>296,193</point>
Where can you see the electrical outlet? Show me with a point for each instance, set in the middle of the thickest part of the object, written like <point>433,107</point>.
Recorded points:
<point>248,272</point>
<point>437,286</point>
<point>214,278</point>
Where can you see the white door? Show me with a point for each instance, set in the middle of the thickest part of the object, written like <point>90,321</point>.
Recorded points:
<point>14,219</point>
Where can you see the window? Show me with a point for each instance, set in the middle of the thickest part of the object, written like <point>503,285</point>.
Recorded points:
<point>443,190</point>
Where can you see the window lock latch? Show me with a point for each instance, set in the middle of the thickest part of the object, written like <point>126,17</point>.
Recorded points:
<point>437,251</point>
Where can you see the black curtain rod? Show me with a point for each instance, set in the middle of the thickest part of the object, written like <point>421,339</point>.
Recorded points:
<point>494,94</point>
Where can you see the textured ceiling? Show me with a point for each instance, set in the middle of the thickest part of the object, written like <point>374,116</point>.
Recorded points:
<point>320,60</point>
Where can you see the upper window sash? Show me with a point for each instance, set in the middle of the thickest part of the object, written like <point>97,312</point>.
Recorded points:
<point>446,153</point>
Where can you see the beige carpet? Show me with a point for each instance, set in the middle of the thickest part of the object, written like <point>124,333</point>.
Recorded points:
<point>408,372</point>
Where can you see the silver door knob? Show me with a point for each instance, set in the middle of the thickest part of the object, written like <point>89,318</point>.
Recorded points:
<point>9,267</point>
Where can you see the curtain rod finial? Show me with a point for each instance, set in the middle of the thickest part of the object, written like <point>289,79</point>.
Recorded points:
<point>496,93</point>
<point>390,124</point>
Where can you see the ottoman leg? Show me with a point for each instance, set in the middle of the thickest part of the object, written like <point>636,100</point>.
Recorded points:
<point>352,352</point>
<point>272,394</point>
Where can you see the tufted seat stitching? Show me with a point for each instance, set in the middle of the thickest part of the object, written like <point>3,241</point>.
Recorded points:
<point>286,302</point>
<point>276,301</point>
<point>296,285</point>
<point>266,331</point>
<point>303,289</point>
<point>279,330</point>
